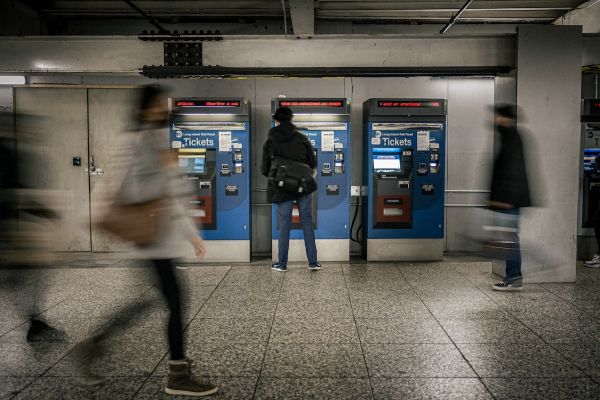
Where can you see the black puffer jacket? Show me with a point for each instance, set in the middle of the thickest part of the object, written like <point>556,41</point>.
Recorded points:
<point>509,179</point>
<point>285,141</point>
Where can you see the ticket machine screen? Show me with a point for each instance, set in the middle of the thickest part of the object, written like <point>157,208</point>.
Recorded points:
<point>193,165</point>
<point>387,162</point>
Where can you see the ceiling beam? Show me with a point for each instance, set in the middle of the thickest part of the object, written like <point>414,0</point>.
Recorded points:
<point>303,17</point>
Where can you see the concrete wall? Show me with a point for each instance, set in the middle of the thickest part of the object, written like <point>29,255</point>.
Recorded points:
<point>548,93</point>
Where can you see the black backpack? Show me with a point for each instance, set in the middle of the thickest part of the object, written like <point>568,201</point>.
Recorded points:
<point>291,176</point>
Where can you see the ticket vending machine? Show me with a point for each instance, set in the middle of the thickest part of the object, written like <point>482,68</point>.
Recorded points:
<point>404,167</point>
<point>212,141</point>
<point>590,174</point>
<point>326,123</point>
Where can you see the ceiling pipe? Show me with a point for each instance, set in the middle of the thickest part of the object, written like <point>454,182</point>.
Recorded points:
<point>148,17</point>
<point>455,17</point>
<point>153,71</point>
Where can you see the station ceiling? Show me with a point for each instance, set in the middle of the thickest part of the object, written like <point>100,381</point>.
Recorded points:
<point>423,11</point>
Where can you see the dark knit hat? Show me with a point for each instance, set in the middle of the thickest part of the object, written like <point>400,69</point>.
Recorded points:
<point>283,114</point>
<point>506,110</point>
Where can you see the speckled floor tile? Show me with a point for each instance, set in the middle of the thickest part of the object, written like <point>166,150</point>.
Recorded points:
<point>72,389</point>
<point>488,331</point>
<point>237,308</point>
<point>543,388</point>
<point>378,330</point>
<point>10,385</point>
<point>120,358</point>
<point>564,330</point>
<point>229,330</point>
<point>23,359</point>
<point>75,328</point>
<point>429,388</point>
<point>243,277</point>
<point>451,294</point>
<point>313,389</point>
<point>316,293</point>
<point>584,354</point>
<point>328,360</point>
<point>416,360</point>
<point>233,388</point>
<point>465,309</point>
<point>385,307</point>
<point>518,360</point>
<point>7,325</point>
<point>313,330</point>
<point>222,359</point>
<point>322,307</point>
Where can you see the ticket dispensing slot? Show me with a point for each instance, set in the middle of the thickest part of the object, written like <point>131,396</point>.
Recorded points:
<point>199,167</point>
<point>392,189</point>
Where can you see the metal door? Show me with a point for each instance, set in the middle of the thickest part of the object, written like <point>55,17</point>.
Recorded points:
<point>110,119</point>
<point>57,137</point>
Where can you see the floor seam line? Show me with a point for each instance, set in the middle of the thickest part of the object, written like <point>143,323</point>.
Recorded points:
<point>262,365</point>
<point>358,333</point>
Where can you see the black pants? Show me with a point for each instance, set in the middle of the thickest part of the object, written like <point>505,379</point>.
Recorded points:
<point>170,289</point>
<point>129,315</point>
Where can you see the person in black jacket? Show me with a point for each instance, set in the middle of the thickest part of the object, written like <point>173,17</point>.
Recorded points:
<point>510,189</point>
<point>286,141</point>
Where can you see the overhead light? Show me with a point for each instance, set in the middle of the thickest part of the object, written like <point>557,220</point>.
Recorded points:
<point>12,80</point>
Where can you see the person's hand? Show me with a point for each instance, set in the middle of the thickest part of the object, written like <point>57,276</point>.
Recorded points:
<point>199,248</point>
<point>501,205</point>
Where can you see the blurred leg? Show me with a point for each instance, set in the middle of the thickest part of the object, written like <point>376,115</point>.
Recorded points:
<point>170,290</point>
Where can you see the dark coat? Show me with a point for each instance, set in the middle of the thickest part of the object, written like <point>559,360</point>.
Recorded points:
<point>287,142</point>
<point>509,179</point>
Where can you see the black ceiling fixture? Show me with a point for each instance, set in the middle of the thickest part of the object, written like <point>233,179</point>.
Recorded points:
<point>154,71</point>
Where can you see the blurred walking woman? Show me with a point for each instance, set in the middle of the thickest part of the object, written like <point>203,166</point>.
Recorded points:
<point>150,178</point>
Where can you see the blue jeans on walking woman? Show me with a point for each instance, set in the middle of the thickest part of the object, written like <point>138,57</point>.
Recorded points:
<point>284,212</point>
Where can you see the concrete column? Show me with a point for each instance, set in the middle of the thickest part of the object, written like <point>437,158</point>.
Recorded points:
<point>548,94</point>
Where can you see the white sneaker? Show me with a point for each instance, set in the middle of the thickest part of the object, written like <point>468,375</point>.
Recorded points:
<point>594,262</point>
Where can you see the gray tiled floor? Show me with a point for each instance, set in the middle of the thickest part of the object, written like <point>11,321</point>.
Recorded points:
<point>349,331</point>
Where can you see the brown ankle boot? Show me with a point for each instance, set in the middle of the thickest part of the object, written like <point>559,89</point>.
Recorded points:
<point>183,382</point>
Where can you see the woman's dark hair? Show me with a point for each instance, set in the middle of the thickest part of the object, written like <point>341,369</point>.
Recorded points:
<point>148,94</point>
<point>283,114</point>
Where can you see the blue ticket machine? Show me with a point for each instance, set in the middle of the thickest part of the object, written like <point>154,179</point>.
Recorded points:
<point>212,140</point>
<point>326,123</point>
<point>404,167</point>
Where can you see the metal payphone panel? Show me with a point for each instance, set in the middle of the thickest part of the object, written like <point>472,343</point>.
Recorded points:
<point>589,193</point>
<point>404,156</point>
<point>326,123</point>
<point>212,141</point>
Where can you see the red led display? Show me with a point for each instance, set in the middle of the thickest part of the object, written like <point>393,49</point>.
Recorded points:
<point>417,104</point>
<point>597,105</point>
<point>208,103</point>
<point>311,104</point>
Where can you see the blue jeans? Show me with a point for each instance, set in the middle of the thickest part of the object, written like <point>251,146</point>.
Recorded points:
<point>284,212</point>
<point>513,257</point>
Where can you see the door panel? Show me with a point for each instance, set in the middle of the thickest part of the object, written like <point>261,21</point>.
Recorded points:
<point>110,117</point>
<point>58,133</point>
